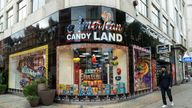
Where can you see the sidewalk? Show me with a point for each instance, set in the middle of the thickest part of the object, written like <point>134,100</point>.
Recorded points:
<point>182,96</point>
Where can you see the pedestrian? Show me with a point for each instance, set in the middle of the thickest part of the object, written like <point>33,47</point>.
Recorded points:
<point>165,84</point>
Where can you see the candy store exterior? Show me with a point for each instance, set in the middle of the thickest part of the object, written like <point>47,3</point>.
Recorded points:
<point>84,51</point>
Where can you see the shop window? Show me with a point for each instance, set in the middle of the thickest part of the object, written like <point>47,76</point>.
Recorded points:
<point>92,69</point>
<point>26,66</point>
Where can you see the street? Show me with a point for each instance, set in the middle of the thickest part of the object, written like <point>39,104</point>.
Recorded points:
<point>182,96</point>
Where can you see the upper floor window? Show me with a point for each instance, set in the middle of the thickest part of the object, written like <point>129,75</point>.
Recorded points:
<point>10,18</point>
<point>143,7</point>
<point>1,23</point>
<point>164,4</point>
<point>2,3</point>
<point>22,13</point>
<point>155,16</point>
<point>165,25</point>
<point>37,4</point>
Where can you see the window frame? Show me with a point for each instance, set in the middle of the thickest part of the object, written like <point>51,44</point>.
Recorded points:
<point>165,24</point>
<point>143,7</point>
<point>172,31</point>
<point>180,23</point>
<point>22,9</point>
<point>155,15</point>
<point>10,18</point>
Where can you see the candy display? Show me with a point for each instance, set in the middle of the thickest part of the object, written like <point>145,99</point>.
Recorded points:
<point>76,60</point>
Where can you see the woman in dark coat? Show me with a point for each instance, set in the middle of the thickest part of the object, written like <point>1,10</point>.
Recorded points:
<point>165,84</point>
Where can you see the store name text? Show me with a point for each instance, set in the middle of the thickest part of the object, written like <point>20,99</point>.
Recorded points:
<point>112,37</point>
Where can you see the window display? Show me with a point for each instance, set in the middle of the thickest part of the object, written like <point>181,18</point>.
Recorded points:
<point>96,69</point>
<point>27,65</point>
<point>142,68</point>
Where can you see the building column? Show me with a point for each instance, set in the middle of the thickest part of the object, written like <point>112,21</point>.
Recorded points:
<point>15,13</point>
<point>29,7</point>
<point>4,20</point>
<point>149,11</point>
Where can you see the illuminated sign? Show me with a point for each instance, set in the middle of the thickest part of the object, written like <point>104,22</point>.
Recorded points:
<point>100,30</point>
<point>163,49</point>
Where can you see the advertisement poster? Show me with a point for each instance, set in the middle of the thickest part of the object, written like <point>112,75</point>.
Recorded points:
<point>26,66</point>
<point>142,68</point>
<point>153,70</point>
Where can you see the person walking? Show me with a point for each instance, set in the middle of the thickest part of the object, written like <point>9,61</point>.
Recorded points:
<point>165,84</point>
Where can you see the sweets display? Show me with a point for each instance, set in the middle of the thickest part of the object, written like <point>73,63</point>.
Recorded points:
<point>101,89</point>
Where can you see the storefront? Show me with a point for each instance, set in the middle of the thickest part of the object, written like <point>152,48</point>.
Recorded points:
<point>94,53</point>
<point>84,51</point>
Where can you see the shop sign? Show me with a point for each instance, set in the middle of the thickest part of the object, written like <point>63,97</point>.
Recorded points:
<point>166,59</point>
<point>163,49</point>
<point>98,30</point>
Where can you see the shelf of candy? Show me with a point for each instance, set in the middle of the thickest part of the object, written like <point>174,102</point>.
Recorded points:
<point>90,77</point>
<point>69,89</point>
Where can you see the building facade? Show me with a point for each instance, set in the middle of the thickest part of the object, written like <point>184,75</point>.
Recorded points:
<point>90,48</point>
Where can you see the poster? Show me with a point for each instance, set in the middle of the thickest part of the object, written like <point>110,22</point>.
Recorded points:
<point>142,68</point>
<point>26,66</point>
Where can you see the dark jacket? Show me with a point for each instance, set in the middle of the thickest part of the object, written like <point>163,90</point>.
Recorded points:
<point>165,80</point>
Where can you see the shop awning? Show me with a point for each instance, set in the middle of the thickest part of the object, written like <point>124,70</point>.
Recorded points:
<point>186,58</point>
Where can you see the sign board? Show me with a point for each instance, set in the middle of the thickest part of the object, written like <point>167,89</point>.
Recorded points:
<point>164,58</point>
<point>163,49</point>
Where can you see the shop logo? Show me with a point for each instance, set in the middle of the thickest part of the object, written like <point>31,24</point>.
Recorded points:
<point>103,29</point>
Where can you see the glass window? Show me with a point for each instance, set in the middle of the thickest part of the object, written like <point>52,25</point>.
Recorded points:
<point>2,3</point>
<point>155,16</point>
<point>37,4</point>
<point>1,23</point>
<point>143,7</point>
<point>164,4</point>
<point>172,31</point>
<point>165,25</point>
<point>22,10</point>
<point>10,18</point>
<point>89,66</point>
